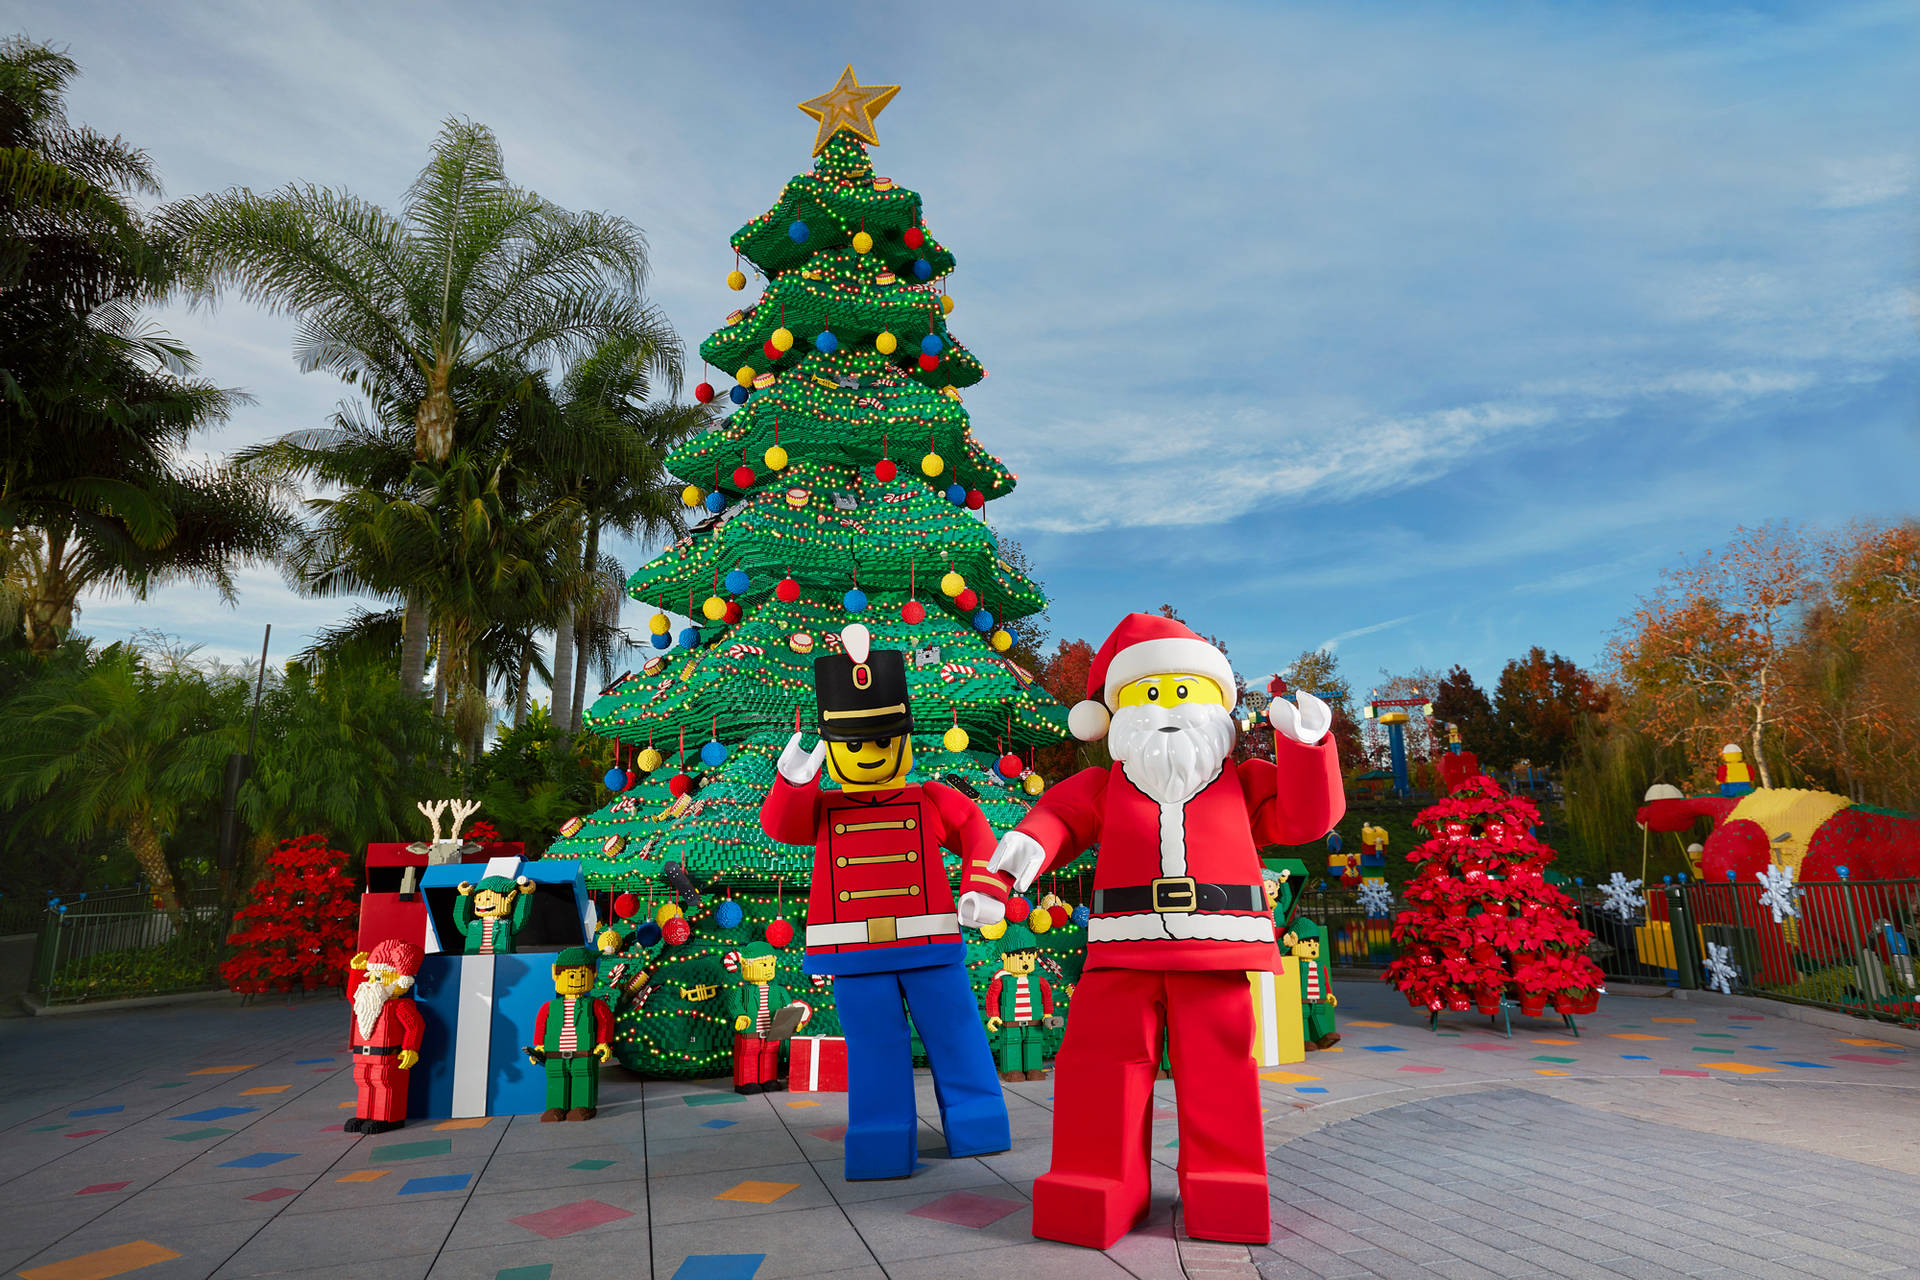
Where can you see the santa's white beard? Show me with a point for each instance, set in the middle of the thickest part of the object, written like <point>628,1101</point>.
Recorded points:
<point>367,1003</point>
<point>1171,767</point>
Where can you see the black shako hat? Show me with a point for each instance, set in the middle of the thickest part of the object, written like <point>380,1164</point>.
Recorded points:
<point>861,693</point>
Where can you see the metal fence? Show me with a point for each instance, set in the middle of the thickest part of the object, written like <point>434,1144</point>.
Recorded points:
<point>120,945</point>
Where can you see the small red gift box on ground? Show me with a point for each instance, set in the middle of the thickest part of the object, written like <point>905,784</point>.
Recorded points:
<point>818,1065</point>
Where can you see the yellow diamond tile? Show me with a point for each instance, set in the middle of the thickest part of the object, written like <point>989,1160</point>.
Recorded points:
<point>1357,1023</point>
<point>1872,1044</point>
<point>103,1263</point>
<point>1550,1040</point>
<point>1672,1019</point>
<point>1285,1077</point>
<point>1632,1035</point>
<point>1547,1071</point>
<point>223,1071</point>
<point>470,1122</point>
<point>803,1102</point>
<point>1338,1048</point>
<point>346,1106</point>
<point>1739,1068</point>
<point>365,1175</point>
<point>265,1088</point>
<point>753,1192</point>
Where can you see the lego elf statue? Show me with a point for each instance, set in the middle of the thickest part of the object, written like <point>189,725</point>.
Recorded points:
<point>881,916</point>
<point>1317,1001</point>
<point>1180,916</point>
<point>1019,1006</point>
<point>765,1015</point>
<point>490,913</point>
<point>387,1027</point>
<point>571,1037</point>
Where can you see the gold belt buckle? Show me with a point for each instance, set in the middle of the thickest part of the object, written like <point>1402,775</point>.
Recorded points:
<point>883,929</point>
<point>1175,895</point>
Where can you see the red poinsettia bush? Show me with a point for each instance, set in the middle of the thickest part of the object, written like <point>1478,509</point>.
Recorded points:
<point>481,832</point>
<point>296,931</point>
<point>1483,923</point>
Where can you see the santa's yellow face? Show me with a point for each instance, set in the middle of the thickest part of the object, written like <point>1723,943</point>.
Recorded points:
<point>1019,963</point>
<point>574,981</point>
<point>1169,690</point>
<point>870,766</point>
<point>758,969</point>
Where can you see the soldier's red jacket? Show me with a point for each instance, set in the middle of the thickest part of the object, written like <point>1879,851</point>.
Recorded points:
<point>398,1025</point>
<point>1178,886</point>
<point>880,899</point>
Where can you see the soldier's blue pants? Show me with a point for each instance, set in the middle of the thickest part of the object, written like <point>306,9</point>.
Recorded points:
<point>882,1128</point>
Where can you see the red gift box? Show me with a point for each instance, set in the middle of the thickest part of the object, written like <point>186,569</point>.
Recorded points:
<point>818,1065</point>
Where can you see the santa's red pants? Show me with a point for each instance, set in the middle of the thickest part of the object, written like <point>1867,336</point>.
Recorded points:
<point>1103,1108</point>
<point>756,1060</point>
<point>382,1087</point>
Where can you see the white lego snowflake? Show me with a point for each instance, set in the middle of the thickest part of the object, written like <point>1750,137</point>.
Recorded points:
<point>1721,971</point>
<point>1777,892</point>
<point>1623,896</point>
<point>1376,899</point>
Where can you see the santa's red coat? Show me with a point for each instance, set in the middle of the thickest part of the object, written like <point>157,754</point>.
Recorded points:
<point>1215,837</point>
<point>398,1023</point>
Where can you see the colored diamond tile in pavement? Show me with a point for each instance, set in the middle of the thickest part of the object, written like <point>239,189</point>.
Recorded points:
<point>538,1271</point>
<point>564,1220</point>
<point>274,1193</point>
<point>591,1165</point>
<point>101,1188</point>
<point>224,1071</point>
<point>753,1191</point>
<point>965,1209</point>
<point>364,1175</point>
<point>259,1159</point>
<point>468,1122</point>
<point>720,1266</point>
<point>215,1113</point>
<point>719,1124</point>
<point>103,1264</point>
<point>435,1183</point>
<point>95,1111</point>
<point>87,1133</point>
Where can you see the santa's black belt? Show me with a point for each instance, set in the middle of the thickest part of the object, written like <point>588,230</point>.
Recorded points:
<point>381,1049</point>
<point>1177,895</point>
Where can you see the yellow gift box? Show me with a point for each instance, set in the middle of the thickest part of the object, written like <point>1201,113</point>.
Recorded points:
<point>1278,1036</point>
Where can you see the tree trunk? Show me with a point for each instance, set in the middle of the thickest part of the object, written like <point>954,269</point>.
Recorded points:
<point>562,682</point>
<point>485,716</point>
<point>520,696</point>
<point>581,646</point>
<point>440,681</point>
<point>145,842</point>
<point>413,647</point>
<point>433,422</point>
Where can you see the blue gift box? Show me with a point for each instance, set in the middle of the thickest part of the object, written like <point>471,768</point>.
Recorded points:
<point>479,1010</point>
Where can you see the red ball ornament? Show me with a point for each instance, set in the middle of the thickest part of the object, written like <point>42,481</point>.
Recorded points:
<point>1018,909</point>
<point>773,352</point>
<point>913,613</point>
<point>703,393</point>
<point>975,499</point>
<point>884,470</point>
<point>1060,914</point>
<point>967,601</point>
<point>678,784</point>
<point>779,933</point>
<point>733,613</point>
<point>1010,765</point>
<point>676,931</point>
<point>915,237</point>
<point>624,905</point>
<point>743,476</point>
<point>929,363</point>
<point>786,590</point>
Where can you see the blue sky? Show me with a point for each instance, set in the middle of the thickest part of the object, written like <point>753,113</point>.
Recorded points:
<point>1430,332</point>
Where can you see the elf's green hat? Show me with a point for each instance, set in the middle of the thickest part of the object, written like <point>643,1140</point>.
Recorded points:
<point>575,958</point>
<point>758,949</point>
<point>1295,866</point>
<point>1305,930</point>
<point>1018,938</point>
<point>497,884</point>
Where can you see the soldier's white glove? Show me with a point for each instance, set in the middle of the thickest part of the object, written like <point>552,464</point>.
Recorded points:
<point>1307,724</point>
<point>978,910</point>
<point>800,766</point>
<point>1020,856</point>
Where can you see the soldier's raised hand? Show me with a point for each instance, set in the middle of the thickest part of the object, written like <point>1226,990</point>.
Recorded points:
<point>800,766</point>
<point>1307,723</point>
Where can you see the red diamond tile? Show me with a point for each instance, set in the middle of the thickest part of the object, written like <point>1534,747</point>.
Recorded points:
<point>965,1209</point>
<point>564,1220</point>
<point>101,1188</point>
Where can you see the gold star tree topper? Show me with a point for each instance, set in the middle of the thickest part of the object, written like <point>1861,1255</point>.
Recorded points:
<point>849,105</point>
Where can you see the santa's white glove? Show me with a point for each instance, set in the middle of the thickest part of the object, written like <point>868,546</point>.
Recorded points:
<point>1020,856</point>
<point>978,910</point>
<point>800,766</point>
<point>1308,723</point>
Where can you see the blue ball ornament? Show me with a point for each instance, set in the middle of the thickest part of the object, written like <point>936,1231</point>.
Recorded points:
<point>922,269</point>
<point>616,779</point>
<point>930,345</point>
<point>714,753</point>
<point>1334,842</point>
<point>728,915</point>
<point>825,342</point>
<point>716,502</point>
<point>738,395</point>
<point>737,582</point>
<point>797,231</point>
<point>647,935</point>
<point>1081,915</point>
<point>690,637</point>
<point>983,620</point>
<point>957,495</point>
<point>661,641</point>
<point>855,601</point>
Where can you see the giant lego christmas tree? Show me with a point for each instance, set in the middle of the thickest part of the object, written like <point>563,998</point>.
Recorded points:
<point>844,486</point>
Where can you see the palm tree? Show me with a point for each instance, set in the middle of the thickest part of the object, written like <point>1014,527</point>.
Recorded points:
<point>474,274</point>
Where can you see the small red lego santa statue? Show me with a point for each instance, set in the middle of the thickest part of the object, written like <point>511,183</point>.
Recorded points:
<point>386,1033</point>
<point>1179,916</point>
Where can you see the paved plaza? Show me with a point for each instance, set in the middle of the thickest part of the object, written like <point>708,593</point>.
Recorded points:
<point>1673,1138</point>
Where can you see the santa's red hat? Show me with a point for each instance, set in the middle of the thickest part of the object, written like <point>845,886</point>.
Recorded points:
<point>1144,644</point>
<point>396,954</point>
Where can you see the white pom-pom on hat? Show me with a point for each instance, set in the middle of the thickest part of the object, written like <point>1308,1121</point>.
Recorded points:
<point>857,640</point>
<point>1088,721</point>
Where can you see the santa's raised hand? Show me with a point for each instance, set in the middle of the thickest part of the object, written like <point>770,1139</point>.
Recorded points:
<point>1307,723</point>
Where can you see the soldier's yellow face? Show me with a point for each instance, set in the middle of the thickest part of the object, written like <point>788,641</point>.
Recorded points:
<point>488,903</point>
<point>870,766</point>
<point>1169,691</point>
<point>576,981</point>
<point>1020,962</point>
<point>758,969</point>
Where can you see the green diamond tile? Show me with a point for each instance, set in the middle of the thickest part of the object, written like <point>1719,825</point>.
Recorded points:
<point>713,1099</point>
<point>591,1164</point>
<point>1545,1058</point>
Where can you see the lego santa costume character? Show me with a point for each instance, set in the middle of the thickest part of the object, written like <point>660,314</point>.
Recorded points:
<point>881,916</point>
<point>1179,917</point>
<point>570,1039</point>
<point>385,1040</point>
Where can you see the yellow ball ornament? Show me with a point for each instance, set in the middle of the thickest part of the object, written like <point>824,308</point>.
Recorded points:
<point>993,932</point>
<point>776,458</point>
<point>955,739</point>
<point>666,913</point>
<point>946,304</point>
<point>1002,640</point>
<point>745,375</point>
<point>691,496</point>
<point>862,242</point>
<point>783,339</point>
<point>659,625</point>
<point>933,464</point>
<point>886,344</point>
<point>713,608</point>
<point>1051,900</point>
<point>952,584</point>
<point>650,759</point>
<point>736,280</point>
<point>1039,922</point>
<point>1032,784</point>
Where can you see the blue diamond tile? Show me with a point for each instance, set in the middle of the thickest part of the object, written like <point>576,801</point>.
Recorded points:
<point>438,1182</point>
<point>307,1062</point>
<point>1817,1066</point>
<point>1383,1048</point>
<point>95,1111</point>
<point>259,1159</point>
<point>1637,1057</point>
<point>720,1266</point>
<point>1308,1088</point>
<point>719,1124</point>
<point>216,1113</point>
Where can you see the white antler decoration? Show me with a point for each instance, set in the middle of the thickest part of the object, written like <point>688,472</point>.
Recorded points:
<point>462,810</point>
<point>433,810</point>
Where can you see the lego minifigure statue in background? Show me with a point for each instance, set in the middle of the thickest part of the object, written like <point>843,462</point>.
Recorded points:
<point>385,1041</point>
<point>1317,1001</point>
<point>1733,773</point>
<point>571,1036</point>
<point>881,916</point>
<point>765,1014</point>
<point>1019,1006</point>
<point>491,913</point>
